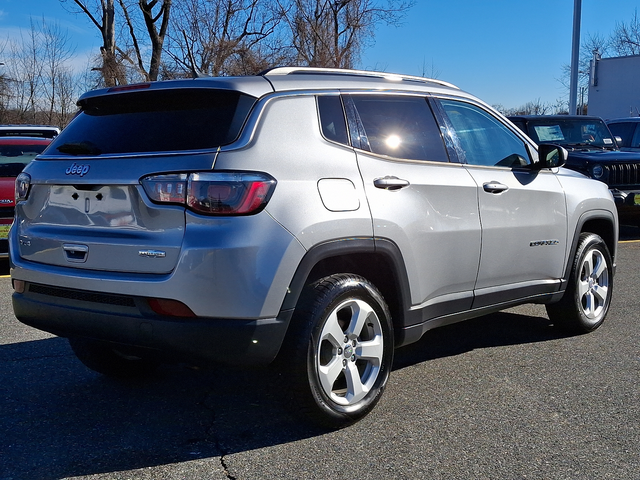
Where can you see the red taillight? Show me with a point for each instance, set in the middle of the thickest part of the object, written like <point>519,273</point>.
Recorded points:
<point>213,193</point>
<point>170,308</point>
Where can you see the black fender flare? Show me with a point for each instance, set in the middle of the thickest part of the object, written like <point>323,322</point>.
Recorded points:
<point>594,215</point>
<point>346,246</point>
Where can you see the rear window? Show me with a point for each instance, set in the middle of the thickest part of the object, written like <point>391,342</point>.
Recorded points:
<point>155,121</point>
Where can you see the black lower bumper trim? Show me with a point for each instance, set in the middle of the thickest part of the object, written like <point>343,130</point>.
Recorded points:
<point>217,340</point>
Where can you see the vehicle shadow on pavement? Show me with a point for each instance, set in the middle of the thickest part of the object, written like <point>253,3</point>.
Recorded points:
<point>59,419</point>
<point>499,329</point>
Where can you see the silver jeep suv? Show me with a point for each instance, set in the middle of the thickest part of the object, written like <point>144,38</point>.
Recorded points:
<point>316,218</point>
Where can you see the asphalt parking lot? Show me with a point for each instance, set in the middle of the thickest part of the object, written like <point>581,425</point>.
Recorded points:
<point>506,396</point>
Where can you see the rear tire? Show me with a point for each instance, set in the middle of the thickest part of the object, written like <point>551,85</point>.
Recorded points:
<point>586,301</point>
<point>103,358</point>
<point>339,351</point>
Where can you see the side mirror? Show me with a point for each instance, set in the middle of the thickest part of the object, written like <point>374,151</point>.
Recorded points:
<point>551,156</point>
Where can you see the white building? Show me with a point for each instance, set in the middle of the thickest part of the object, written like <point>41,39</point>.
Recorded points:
<point>614,87</point>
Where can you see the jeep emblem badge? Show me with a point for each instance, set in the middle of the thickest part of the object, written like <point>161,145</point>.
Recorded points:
<point>76,169</point>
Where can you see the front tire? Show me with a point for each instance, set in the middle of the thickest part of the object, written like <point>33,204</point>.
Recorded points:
<point>342,350</point>
<point>586,301</point>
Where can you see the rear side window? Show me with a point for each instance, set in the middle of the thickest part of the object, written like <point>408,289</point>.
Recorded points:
<point>155,121</point>
<point>401,127</point>
<point>332,119</point>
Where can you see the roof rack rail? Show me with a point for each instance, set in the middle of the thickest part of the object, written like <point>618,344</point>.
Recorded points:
<point>345,71</point>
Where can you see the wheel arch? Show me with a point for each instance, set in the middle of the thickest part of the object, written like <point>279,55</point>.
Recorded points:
<point>379,261</point>
<point>603,224</point>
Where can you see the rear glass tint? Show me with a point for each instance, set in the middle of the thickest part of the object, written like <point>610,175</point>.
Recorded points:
<point>332,119</point>
<point>155,121</point>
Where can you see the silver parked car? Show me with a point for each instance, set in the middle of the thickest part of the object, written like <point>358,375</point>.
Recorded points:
<point>316,218</point>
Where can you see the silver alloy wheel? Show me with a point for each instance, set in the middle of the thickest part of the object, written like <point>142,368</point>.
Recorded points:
<point>350,351</point>
<point>593,285</point>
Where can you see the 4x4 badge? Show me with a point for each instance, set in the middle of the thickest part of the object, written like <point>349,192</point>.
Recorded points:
<point>76,169</point>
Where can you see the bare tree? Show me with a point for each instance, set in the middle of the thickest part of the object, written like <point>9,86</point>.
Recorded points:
<point>625,39</point>
<point>593,43</point>
<point>156,36</point>
<point>103,15</point>
<point>535,107</point>
<point>333,33</point>
<point>430,73</point>
<point>4,86</point>
<point>125,37</point>
<point>25,68</point>
<point>226,37</point>
<point>56,74</point>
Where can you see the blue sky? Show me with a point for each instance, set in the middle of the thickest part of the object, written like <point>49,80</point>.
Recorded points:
<point>506,52</point>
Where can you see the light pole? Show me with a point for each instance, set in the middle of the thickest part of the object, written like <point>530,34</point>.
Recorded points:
<point>575,57</point>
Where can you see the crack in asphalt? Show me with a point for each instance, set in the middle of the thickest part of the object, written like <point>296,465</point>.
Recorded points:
<point>212,437</point>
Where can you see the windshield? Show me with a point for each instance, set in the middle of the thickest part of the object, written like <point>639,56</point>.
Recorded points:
<point>572,132</point>
<point>155,121</point>
<point>16,153</point>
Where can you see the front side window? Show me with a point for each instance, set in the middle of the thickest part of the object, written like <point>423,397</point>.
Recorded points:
<point>481,139</point>
<point>162,120</point>
<point>400,127</point>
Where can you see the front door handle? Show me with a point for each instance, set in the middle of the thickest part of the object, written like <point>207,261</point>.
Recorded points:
<point>390,183</point>
<point>494,187</point>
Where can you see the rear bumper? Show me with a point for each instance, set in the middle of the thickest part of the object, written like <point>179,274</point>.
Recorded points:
<point>129,321</point>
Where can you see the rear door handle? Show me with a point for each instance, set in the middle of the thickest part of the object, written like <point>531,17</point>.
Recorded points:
<point>390,183</point>
<point>494,187</point>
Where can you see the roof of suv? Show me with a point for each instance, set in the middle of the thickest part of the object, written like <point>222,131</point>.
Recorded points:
<point>41,131</point>
<point>625,120</point>
<point>283,79</point>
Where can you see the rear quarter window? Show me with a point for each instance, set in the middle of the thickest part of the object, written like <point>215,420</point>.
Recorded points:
<point>332,121</point>
<point>155,121</point>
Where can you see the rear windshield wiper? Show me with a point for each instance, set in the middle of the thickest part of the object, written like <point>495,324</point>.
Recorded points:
<point>79,148</point>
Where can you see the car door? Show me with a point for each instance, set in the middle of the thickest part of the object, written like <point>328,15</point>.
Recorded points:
<point>420,201</point>
<point>522,209</point>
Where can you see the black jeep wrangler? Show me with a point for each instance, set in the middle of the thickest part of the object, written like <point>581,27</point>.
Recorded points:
<point>593,151</point>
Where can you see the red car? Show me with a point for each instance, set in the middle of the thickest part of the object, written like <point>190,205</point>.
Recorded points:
<point>15,153</point>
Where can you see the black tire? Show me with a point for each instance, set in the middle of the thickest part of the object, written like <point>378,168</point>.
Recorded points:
<point>338,352</point>
<point>586,301</point>
<point>103,358</point>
